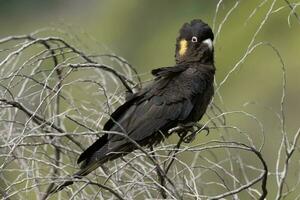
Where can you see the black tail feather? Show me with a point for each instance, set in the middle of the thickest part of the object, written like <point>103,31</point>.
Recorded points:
<point>61,186</point>
<point>78,175</point>
<point>93,148</point>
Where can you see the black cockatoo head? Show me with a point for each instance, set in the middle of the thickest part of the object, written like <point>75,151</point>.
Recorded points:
<point>195,43</point>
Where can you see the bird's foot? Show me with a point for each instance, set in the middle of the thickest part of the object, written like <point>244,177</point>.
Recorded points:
<point>180,130</point>
<point>191,137</point>
<point>193,128</point>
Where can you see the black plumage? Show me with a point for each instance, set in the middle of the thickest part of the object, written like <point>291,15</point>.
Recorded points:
<point>178,95</point>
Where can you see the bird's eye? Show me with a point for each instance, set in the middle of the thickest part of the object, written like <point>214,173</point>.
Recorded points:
<point>194,39</point>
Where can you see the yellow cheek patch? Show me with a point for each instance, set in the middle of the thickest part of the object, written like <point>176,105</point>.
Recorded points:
<point>183,47</point>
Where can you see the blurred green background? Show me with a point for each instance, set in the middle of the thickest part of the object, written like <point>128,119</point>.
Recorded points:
<point>144,32</point>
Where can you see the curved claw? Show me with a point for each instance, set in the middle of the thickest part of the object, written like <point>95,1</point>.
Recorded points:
<point>183,129</point>
<point>205,128</point>
<point>192,136</point>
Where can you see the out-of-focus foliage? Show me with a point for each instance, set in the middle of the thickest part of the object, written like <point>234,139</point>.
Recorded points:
<point>144,33</point>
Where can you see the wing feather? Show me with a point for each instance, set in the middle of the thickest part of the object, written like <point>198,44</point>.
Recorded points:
<point>168,100</point>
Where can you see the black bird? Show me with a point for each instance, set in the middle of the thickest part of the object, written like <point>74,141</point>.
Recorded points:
<point>178,95</point>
